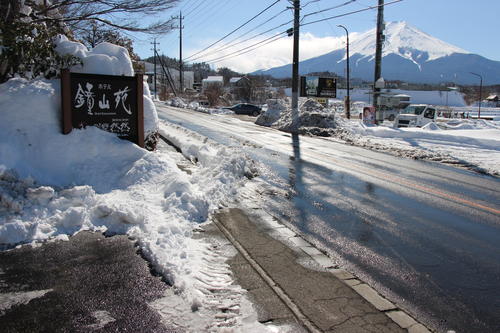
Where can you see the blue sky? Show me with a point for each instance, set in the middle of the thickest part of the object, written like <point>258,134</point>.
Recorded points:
<point>470,25</point>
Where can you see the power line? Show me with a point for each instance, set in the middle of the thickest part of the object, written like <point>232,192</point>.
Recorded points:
<point>229,44</point>
<point>245,40</point>
<point>196,7</point>
<point>281,35</point>
<point>350,13</point>
<point>205,13</point>
<point>227,35</point>
<point>250,47</point>
<point>310,2</point>
<point>200,7</point>
<point>328,9</point>
<point>187,4</point>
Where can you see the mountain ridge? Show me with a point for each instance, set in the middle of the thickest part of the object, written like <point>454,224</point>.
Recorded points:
<point>408,55</point>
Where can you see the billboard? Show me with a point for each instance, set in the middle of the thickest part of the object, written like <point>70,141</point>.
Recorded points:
<point>111,103</point>
<point>315,86</point>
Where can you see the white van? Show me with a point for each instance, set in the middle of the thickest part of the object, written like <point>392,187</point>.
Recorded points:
<point>416,115</point>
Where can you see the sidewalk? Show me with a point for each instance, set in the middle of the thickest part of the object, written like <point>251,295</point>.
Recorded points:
<point>321,298</point>
<point>98,283</point>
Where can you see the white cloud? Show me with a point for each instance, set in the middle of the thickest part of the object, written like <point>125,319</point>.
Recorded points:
<point>277,53</point>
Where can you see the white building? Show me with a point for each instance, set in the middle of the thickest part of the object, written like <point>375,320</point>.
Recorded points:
<point>217,80</point>
<point>161,79</point>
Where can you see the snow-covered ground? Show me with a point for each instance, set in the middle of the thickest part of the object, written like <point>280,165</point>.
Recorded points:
<point>467,142</point>
<point>470,143</point>
<point>54,185</point>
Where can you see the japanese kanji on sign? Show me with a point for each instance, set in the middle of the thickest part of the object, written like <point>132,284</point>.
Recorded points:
<point>111,103</point>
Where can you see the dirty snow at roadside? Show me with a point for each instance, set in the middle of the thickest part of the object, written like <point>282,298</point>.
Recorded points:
<point>474,144</point>
<point>53,186</point>
<point>471,143</point>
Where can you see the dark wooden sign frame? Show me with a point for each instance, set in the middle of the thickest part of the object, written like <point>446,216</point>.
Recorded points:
<point>101,101</point>
<point>326,87</point>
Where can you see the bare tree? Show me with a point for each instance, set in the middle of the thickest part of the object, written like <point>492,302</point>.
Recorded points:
<point>213,92</point>
<point>120,14</point>
<point>27,29</point>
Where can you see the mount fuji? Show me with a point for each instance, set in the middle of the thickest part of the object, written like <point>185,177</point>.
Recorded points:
<point>408,55</point>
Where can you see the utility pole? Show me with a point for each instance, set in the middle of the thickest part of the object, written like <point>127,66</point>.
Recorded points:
<point>181,65</point>
<point>348,99</point>
<point>154,43</point>
<point>480,93</point>
<point>378,60</point>
<point>295,65</point>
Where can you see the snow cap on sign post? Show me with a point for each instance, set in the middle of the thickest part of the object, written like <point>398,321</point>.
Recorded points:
<point>380,83</point>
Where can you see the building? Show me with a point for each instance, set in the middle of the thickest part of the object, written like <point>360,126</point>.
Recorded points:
<point>212,80</point>
<point>163,81</point>
<point>493,101</point>
<point>241,88</point>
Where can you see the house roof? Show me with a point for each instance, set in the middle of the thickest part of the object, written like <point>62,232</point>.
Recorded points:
<point>492,98</point>
<point>234,79</point>
<point>214,79</point>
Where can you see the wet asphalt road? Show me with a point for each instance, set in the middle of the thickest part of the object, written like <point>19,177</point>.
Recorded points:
<point>427,236</point>
<point>89,284</point>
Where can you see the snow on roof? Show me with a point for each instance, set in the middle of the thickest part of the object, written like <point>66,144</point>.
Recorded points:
<point>214,79</point>
<point>492,98</point>
<point>234,79</point>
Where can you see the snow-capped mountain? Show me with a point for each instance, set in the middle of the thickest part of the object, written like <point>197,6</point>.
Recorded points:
<point>408,54</point>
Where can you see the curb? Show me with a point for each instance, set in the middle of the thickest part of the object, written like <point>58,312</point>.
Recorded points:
<point>397,315</point>
<point>283,233</point>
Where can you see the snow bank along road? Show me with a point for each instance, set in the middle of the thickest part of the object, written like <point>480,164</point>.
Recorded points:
<point>425,235</point>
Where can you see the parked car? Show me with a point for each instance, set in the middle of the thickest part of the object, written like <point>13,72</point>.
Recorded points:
<point>416,115</point>
<point>245,108</point>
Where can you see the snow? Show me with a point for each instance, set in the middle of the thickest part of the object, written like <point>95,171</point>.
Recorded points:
<point>450,98</point>
<point>472,143</point>
<point>404,40</point>
<point>54,185</point>
<point>105,58</point>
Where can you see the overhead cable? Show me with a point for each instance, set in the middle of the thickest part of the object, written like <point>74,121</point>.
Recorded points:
<point>245,40</point>
<point>229,34</point>
<point>250,47</point>
<point>353,12</point>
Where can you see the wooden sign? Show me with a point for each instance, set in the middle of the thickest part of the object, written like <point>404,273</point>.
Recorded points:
<point>315,86</point>
<point>111,103</point>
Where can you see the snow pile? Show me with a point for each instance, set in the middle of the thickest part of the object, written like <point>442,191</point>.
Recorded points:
<point>108,59</point>
<point>474,144</point>
<point>275,107</point>
<point>313,117</point>
<point>53,185</point>
<point>466,142</point>
<point>105,58</point>
<point>177,102</point>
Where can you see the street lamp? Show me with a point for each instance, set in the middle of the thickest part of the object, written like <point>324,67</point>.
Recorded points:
<point>480,93</point>
<point>348,100</point>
